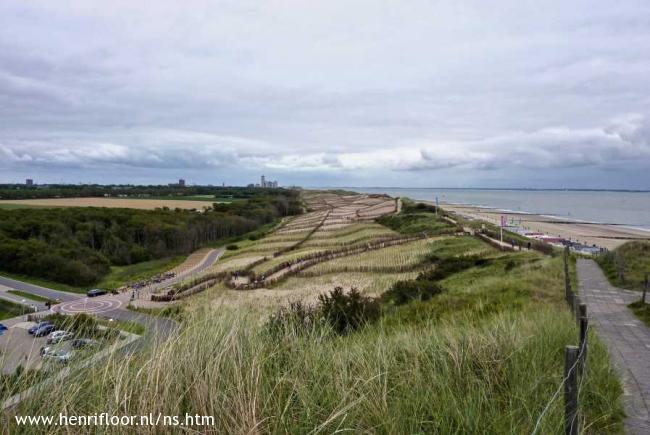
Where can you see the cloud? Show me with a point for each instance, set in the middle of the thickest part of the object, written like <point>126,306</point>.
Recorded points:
<point>336,89</point>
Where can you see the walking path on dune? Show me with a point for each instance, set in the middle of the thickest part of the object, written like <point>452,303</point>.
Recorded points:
<point>627,338</point>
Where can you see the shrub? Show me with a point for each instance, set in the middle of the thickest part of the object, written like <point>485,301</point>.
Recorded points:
<point>448,266</point>
<point>343,312</point>
<point>347,312</point>
<point>403,292</point>
<point>232,247</point>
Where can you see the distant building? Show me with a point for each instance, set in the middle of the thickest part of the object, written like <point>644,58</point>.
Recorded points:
<point>266,184</point>
<point>181,183</point>
<point>29,182</point>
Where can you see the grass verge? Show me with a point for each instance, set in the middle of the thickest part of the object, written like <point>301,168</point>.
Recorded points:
<point>9,309</point>
<point>30,296</point>
<point>627,265</point>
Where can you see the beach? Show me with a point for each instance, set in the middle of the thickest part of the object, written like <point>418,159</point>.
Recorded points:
<point>608,236</point>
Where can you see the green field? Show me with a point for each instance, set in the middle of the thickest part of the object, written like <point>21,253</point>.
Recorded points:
<point>5,206</point>
<point>9,309</point>
<point>207,198</point>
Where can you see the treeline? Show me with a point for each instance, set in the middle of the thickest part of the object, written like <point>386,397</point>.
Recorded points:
<point>77,246</point>
<point>21,191</point>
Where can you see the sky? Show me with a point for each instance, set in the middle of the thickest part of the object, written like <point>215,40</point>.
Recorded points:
<point>510,93</point>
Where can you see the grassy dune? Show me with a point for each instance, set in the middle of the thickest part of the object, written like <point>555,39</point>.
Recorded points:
<point>627,265</point>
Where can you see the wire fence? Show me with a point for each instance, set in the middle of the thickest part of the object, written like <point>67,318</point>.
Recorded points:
<point>575,362</point>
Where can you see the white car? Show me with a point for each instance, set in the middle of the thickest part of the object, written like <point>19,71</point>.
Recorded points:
<point>58,336</point>
<point>57,354</point>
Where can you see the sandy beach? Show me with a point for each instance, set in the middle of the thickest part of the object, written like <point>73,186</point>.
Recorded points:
<point>608,236</point>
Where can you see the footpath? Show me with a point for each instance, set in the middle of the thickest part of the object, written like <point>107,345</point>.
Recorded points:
<point>626,337</point>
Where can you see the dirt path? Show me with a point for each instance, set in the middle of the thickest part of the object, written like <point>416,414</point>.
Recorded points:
<point>627,339</point>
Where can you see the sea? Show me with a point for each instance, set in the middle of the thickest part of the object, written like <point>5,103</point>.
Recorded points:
<point>627,208</point>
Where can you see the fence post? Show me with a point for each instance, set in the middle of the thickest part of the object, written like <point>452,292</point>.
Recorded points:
<point>645,288</point>
<point>570,391</point>
<point>567,281</point>
<point>576,307</point>
<point>584,337</point>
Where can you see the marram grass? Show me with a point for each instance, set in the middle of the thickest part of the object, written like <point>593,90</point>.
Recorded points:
<point>462,376</point>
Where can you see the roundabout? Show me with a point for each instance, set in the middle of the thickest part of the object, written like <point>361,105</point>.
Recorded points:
<point>89,306</point>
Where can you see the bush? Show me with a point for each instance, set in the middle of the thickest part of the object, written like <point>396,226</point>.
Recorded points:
<point>343,312</point>
<point>403,292</point>
<point>232,247</point>
<point>448,266</point>
<point>348,312</point>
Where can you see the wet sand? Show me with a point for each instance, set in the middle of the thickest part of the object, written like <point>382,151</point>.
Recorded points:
<point>607,236</point>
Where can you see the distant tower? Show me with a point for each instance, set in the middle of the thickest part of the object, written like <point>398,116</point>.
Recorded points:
<point>181,183</point>
<point>29,182</point>
<point>263,183</point>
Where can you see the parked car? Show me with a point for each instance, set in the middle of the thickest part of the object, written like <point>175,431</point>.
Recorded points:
<point>3,327</point>
<point>44,330</point>
<point>95,292</point>
<point>57,354</point>
<point>58,336</point>
<point>38,326</point>
<point>84,342</point>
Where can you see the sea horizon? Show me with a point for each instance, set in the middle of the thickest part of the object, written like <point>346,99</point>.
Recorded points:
<point>615,207</point>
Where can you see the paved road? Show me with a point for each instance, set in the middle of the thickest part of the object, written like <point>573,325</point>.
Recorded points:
<point>22,301</point>
<point>38,290</point>
<point>627,339</point>
<point>207,262</point>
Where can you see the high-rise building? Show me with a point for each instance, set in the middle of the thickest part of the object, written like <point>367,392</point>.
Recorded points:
<point>29,182</point>
<point>181,183</point>
<point>263,181</point>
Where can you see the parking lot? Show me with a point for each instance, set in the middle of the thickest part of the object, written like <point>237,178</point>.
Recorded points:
<point>18,347</point>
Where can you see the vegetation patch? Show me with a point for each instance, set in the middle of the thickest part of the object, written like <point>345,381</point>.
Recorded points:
<point>416,218</point>
<point>30,296</point>
<point>9,309</point>
<point>642,311</point>
<point>78,246</point>
<point>343,312</point>
<point>175,311</point>
<point>628,265</point>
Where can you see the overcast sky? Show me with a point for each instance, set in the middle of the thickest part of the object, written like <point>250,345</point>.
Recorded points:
<point>454,93</point>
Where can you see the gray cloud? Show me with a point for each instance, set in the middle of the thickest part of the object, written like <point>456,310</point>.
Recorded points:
<point>358,92</point>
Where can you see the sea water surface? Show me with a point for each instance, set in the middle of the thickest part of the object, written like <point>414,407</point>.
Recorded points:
<point>631,209</point>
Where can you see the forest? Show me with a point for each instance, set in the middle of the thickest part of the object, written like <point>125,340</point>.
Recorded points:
<point>21,191</point>
<point>77,246</point>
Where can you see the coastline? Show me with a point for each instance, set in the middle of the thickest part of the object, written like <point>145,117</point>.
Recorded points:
<point>604,235</point>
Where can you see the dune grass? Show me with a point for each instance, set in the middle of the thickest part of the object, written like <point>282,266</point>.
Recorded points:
<point>491,376</point>
<point>627,265</point>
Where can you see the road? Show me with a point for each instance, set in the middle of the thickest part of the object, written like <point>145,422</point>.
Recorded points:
<point>155,326</point>
<point>38,290</point>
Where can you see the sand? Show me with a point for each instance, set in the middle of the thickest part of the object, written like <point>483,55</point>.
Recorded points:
<point>602,235</point>
<point>145,204</point>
